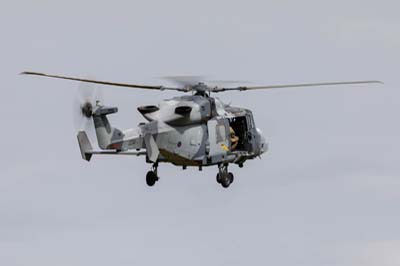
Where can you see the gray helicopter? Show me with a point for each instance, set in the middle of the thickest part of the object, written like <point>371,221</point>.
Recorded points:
<point>192,130</point>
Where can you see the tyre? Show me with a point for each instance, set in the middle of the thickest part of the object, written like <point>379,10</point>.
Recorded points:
<point>230,177</point>
<point>225,180</point>
<point>151,178</point>
<point>218,179</point>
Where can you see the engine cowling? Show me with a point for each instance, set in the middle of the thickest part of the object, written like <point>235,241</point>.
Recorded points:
<point>146,109</point>
<point>179,111</point>
<point>183,110</point>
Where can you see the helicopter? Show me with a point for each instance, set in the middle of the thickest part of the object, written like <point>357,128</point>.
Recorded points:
<point>195,130</point>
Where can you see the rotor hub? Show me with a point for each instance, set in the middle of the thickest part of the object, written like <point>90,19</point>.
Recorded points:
<point>87,109</point>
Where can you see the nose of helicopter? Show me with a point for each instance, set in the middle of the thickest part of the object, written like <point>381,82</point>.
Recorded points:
<point>263,145</point>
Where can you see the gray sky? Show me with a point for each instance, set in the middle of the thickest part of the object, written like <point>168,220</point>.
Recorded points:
<point>327,193</point>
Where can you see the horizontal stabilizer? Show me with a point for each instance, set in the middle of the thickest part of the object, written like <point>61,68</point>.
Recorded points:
<point>114,152</point>
<point>87,150</point>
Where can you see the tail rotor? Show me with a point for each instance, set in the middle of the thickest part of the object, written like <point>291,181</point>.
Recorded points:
<point>87,97</point>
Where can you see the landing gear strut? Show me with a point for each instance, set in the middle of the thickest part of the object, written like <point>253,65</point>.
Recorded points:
<point>151,176</point>
<point>224,177</point>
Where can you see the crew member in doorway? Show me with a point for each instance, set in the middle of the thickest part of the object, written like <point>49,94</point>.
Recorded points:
<point>234,139</point>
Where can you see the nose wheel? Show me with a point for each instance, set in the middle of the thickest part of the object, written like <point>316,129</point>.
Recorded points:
<point>151,176</point>
<point>224,177</point>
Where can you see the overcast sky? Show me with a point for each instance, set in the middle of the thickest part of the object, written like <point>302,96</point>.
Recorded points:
<point>327,193</point>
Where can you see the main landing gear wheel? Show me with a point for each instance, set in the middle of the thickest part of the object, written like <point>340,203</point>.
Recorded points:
<point>151,176</point>
<point>224,177</point>
<point>231,177</point>
<point>226,180</point>
<point>218,179</point>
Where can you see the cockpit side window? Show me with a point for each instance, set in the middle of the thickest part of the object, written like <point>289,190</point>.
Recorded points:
<point>250,121</point>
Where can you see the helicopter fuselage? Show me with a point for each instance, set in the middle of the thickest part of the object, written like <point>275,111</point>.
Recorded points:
<point>200,131</point>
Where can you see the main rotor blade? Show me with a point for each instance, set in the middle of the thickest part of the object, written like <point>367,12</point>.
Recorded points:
<point>185,81</point>
<point>244,88</point>
<point>105,82</point>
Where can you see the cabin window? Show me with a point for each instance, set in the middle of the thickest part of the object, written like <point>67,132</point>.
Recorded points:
<point>220,133</point>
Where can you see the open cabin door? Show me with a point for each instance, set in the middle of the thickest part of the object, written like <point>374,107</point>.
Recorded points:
<point>218,138</point>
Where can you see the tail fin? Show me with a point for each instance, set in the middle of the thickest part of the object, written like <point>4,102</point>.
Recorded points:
<point>106,135</point>
<point>85,146</point>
